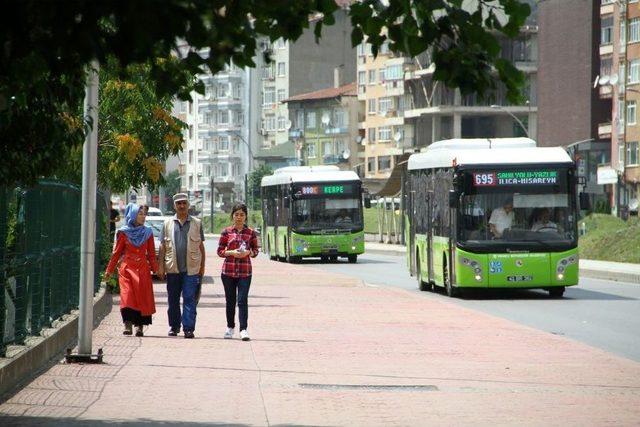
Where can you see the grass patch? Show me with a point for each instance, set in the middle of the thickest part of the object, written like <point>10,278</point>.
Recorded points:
<point>223,219</point>
<point>609,238</point>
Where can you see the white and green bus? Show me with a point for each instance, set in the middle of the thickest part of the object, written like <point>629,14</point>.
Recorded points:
<point>491,213</point>
<point>312,211</point>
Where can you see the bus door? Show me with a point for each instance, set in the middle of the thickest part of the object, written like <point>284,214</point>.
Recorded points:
<point>429,233</point>
<point>411,244</point>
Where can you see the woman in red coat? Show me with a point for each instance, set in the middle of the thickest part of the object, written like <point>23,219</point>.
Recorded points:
<point>136,252</point>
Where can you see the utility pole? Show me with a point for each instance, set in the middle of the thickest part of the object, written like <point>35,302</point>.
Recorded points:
<point>88,223</point>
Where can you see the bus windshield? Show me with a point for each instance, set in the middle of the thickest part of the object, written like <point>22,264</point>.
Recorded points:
<point>520,215</point>
<point>326,214</point>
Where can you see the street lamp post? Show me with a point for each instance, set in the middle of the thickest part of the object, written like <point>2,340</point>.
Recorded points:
<point>500,107</point>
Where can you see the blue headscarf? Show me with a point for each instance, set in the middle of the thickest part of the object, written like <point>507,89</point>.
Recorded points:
<point>137,234</point>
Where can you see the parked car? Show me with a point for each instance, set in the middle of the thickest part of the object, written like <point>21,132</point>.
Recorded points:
<point>156,223</point>
<point>155,212</point>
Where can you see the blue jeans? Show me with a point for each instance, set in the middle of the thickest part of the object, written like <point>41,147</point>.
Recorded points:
<point>187,286</point>
<point>237,288</point>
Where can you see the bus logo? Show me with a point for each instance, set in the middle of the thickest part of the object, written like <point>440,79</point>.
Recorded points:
<point>519,263</point>
<point>485,179</point>
<point>495,267</point>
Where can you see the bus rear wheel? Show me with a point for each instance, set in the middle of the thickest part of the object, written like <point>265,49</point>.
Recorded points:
<point>352,258</point>
<point>556,292</point>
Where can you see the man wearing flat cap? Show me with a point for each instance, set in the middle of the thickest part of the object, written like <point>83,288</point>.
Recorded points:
<point>182,260</point>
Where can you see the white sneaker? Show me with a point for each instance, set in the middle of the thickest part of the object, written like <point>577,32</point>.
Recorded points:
<point>244,335</point>
<point>229,334</point>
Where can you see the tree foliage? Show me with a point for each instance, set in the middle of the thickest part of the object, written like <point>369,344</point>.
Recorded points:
<point>47,45</point>
<point>136,131</point>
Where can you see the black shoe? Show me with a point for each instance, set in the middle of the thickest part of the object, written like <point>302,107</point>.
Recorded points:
<point>172,333</point>
<point>188,334</point>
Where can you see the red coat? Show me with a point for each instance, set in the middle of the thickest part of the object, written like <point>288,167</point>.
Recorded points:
<point>134,273</point>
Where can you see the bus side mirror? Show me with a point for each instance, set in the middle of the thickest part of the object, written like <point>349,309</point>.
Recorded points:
<point>585,204</point>
<point>367,201</point>
<point>454,197</point>
<point>286,202</point>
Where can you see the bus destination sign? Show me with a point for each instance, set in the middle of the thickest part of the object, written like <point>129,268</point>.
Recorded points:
<point>326,189</point>
<point>491,179</point>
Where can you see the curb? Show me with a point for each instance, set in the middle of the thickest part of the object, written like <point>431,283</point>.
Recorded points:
<point>40,350</point>
<point>610,275</point>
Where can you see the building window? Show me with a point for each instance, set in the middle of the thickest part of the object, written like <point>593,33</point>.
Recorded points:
<point>382,75</point>
<point>270,123</point>
<point>280,95</point>
<point>606,30</point>
<point>384,163</point>
<point>606,64</point>
<point>190,131</point>
<point>633,155</point>
<point>631,113</point>
<point>311,119</point>
<point>620,156</point>
<point>372,77</point>
<point>223,91</point>
<point>280,44</point>
<point>394,72</point>
<point>634,71</point>
<point>634,30</point>
<point>269,96</point>
<point>384,133</point>
<point>269,71</point>
<point>384,48</point>
<point>190,181</point>
<point>372,106</point>
<point>224,170</point>
<point>300,119</point>
<point>190,156</point>
<point>240,117</point>
<point>340,119</point>
<point>223,117</point>
<point>223,143</point>
<point>362,77</point>
<point>327,150</point>
<point>281,69</point>
<point>311,151</point>
<point>371,134</point>
<point>360,49</point>
<point>281,123</point>
<point>384,104</point>
<point>371,164</point>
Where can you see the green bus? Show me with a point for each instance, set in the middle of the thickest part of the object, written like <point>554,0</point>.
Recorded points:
<point>312,211</point>
<point>491,213</point>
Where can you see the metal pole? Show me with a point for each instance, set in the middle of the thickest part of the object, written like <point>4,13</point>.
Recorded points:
<point>500,107</point>
<point>212,198</point>
<point>88,221</point>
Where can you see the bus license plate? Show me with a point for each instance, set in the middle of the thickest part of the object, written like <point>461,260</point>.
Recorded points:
<point>329,248</point>
<point>519,278</point>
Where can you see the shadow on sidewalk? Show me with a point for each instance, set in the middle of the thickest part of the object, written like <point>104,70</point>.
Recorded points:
<point>10,421</point>
<point>537,294</point>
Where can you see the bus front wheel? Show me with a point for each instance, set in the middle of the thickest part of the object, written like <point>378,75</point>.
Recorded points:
<point>422,285</point>
<point>353,259</point>
<point>556,292</point>
<point>452,291</point>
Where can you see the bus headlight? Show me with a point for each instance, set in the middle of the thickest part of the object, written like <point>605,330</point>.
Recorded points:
<point>560,276</point>
<point>478,277</point>
<point>353,248</point>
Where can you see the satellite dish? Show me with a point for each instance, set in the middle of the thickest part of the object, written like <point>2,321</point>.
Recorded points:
<point>397,136</point>
<point>364,141</point>
<point>613,80</point>
<point>325,119</point>
<point>287,125</point>
<point>346,154</point>
<point>595,82</point>
<point>604,80</point>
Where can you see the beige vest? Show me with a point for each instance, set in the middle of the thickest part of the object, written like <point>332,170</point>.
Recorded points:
<point>194,256</point>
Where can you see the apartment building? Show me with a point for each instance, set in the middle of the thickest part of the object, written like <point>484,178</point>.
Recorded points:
<point>381,91</point>
<point>619,83</point>
<point>323,125</point>
<point>219,145</point>
<point>299,67</point>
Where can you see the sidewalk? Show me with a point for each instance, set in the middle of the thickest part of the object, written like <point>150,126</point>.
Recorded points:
<point>329,350</point>
<point>617,271</point>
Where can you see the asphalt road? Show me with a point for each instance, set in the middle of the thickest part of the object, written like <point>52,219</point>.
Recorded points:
<point>600,313</point>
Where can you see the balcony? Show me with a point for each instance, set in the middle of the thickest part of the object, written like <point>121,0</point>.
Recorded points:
<point>296,133</point>
<point>333,159</point>
<point>604,130</point>
<point>336,130</point>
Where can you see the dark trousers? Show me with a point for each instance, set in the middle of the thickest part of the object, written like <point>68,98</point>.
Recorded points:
<point>182,284</point>
<point>237,289</point>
